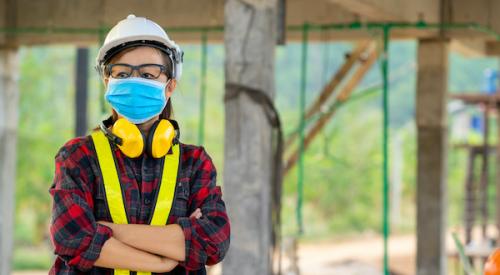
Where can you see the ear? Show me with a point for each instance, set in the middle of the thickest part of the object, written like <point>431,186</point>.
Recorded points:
<point>170,87</point>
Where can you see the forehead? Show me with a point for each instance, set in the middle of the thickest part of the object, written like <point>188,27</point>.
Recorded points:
<point>139,55</point>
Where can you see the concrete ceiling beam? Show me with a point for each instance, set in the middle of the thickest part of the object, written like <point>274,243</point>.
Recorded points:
<point>392,10</point>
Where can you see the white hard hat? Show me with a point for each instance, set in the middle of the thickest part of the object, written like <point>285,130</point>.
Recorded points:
<point>134,31</point>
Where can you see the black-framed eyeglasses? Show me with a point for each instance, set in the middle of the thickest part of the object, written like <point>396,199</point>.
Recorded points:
<point>148,71</point>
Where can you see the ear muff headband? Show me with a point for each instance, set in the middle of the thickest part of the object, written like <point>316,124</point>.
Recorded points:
<point>149,140</point>
<point>104,128</point>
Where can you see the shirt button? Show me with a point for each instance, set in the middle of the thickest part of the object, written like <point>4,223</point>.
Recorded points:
<point>147,201</point>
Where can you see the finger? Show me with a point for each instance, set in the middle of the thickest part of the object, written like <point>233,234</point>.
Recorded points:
<point>196,214</point>
<point>193,215</point>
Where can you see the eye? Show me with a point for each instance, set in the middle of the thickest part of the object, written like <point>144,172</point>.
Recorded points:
<point>147,76</point>
<point>121,75</point>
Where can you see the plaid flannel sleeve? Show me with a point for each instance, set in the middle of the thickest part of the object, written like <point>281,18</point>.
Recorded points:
<point>207,239</point>
<point>76,237</point>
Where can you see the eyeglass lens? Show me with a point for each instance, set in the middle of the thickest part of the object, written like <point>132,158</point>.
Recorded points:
<point>149,71</point>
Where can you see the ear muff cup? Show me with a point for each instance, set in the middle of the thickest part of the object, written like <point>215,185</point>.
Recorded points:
<point>160,138</point>
<point>132,138</point>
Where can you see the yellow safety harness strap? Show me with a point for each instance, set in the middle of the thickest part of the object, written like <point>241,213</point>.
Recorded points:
<point>113,189</point>
<point>110,178</point>
<point>165,198</point>
<point>166,193</point>
<point>111,182</point>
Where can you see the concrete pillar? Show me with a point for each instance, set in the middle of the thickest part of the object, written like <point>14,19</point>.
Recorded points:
<point>432,156</point>
<point>9,98</point>
<point>250,37</point>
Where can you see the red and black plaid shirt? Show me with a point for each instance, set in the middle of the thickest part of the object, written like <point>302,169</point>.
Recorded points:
<point>79,201</point>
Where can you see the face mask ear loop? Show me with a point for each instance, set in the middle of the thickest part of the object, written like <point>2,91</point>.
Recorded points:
<point>167,85</point>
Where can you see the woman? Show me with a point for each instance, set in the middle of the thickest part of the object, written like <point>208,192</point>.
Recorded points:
<point>131,197</point>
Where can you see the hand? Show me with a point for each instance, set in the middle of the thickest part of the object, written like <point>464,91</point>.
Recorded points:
<point>196,214</point>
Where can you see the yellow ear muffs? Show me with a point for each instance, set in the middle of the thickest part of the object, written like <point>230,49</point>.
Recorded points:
<point>160,138</point>
<point>132,144</point>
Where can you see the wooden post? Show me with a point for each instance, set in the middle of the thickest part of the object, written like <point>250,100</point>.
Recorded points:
<point>484,173</point>
<point>250,37</point>
<point>432,156</point>
<point>470,196</point>
<point>341,97</point>
<point>81,78</point>
<point>497,182</point>
<point>9,98</point>
<point>329,89</point>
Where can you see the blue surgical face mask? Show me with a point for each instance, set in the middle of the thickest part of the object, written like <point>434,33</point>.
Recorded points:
<point>136,99</point>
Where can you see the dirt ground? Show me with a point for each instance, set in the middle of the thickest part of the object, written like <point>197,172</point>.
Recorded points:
<point>360,255</point>
<point>363,255</point>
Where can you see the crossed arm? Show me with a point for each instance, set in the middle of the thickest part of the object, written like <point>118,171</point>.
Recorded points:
<point>144,247</point>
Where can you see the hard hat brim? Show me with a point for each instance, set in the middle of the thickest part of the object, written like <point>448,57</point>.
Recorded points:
<point>114,47</point>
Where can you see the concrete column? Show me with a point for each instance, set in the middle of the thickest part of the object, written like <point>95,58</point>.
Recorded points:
<point>9,98</point>
<point>432,156</point>
<point>250,37</point>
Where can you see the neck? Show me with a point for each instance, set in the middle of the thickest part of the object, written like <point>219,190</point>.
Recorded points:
<point>146,126</point>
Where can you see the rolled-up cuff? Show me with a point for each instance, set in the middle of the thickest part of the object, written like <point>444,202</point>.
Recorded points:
<point>85,261</point>
<point>188,262</point>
